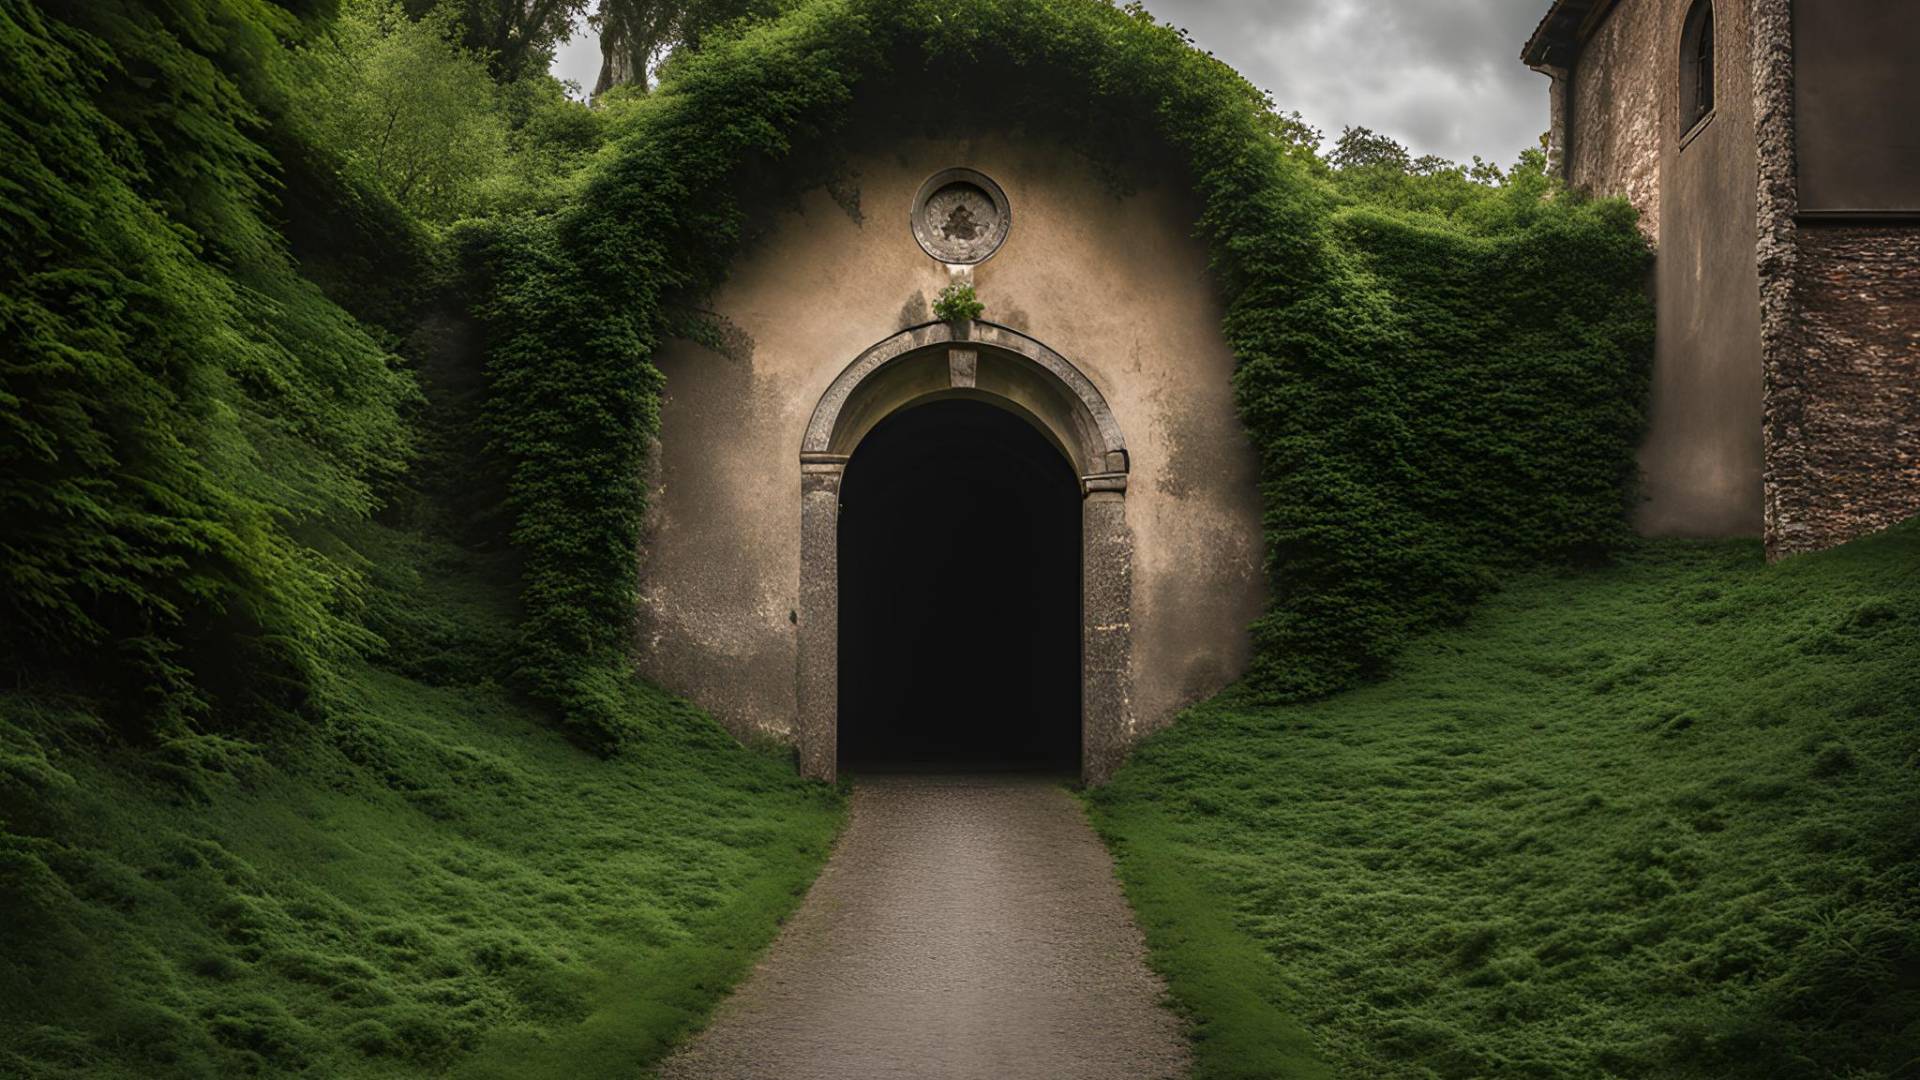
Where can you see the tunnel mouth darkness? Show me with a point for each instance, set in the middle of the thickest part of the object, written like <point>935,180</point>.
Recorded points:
<point>959,575</point>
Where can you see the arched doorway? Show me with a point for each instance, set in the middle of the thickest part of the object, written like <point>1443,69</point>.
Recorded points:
<point>1020,379</point>
<point>959,594</point>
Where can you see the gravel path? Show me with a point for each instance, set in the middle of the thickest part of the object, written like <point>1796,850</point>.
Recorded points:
<point>964,927</point>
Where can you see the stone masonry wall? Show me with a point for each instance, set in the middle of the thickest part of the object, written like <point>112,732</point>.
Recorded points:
<point>1614,110</point>
<point>1843,413</point>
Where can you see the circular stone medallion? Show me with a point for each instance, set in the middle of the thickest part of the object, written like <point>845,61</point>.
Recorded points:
<point>960,216</point>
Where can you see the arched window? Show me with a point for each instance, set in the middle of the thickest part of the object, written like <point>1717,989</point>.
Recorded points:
<point>1696,65</point>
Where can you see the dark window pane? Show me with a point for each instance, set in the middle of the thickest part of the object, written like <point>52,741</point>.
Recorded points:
<point>1696,65</point>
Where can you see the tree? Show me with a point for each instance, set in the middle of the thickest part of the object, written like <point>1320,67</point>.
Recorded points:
<point>632,34</point>
<point>636,34</point>
<point>1360,148</point>
<point>515,36</point>
<point>408,105</point>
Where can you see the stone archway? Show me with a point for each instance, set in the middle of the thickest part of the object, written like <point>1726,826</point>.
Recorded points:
<point>1003,367</point>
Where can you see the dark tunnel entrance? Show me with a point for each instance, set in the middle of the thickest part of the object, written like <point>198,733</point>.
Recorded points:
<point>959,574</point>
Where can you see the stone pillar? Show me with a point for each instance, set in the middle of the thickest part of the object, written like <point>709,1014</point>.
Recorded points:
<point>1783,403</point>
<point>1106,642</point>
<point>818,677</point>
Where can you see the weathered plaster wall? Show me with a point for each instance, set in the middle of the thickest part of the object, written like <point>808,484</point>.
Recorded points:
<point>1701,462</point>
<point>1116,284</point>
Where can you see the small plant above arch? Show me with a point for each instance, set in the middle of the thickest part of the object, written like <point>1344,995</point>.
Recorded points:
<point>958,302</point>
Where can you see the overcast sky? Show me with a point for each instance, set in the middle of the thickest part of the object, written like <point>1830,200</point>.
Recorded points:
<point>1442,76</point>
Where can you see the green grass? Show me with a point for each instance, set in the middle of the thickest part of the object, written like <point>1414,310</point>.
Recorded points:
<point>1659,819</point>
<point>434,883</point>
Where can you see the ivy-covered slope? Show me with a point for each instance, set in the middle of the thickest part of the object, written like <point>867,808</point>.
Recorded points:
<point>1433,395</point>
<point>264,809</point>
<point>185,421</point>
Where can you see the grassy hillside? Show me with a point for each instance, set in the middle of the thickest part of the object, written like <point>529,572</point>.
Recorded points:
<point>269,803</point>
<point>435,882</point>
<point>1660,819</point>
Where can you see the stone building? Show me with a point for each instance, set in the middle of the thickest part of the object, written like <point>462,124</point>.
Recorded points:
<point>1773,150</point>
<point>862,511</point>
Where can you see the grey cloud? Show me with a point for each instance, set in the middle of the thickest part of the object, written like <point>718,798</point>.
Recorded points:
<point>1442,76</point>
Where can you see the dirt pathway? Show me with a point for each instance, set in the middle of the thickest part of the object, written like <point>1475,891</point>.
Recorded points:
<point>964,927</point>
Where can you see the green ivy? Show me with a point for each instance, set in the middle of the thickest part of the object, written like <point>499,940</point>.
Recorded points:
<point>184,419</point>
<point>1434,393</point>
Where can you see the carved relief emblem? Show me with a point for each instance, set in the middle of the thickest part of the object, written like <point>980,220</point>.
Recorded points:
<point>960,216</point>
<point>960,224</point>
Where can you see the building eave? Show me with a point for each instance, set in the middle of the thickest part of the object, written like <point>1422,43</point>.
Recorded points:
<point>1562,31</point>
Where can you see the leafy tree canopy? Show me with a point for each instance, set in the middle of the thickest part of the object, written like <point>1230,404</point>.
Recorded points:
<point>517,37</point>
<point>408,105</point>
<point>416,113</point>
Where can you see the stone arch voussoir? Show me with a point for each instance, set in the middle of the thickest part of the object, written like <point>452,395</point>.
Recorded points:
<point>1004,367</point>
